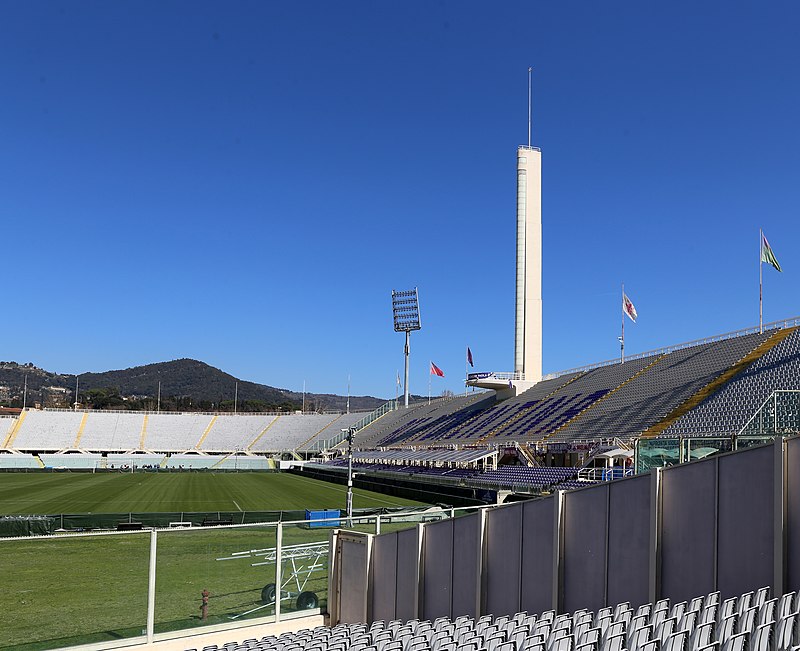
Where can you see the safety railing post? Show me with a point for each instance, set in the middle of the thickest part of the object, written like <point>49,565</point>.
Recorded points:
<point>278,573</point>
<point>151,587</point>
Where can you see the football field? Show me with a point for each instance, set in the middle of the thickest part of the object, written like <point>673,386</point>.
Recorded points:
<point>53,493</point>
<point>66,590</point>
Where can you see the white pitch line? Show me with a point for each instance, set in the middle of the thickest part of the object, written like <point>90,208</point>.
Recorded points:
<point>237,506</point>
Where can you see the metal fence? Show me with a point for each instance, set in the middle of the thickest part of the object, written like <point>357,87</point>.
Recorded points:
<point>729,523</point>
<point>125,588</point>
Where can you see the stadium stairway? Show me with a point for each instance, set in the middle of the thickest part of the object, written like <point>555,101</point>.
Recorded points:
<point>524,412</point>
<point>445,416</point>
<point>636,375</point>
<point>716,384</point>
<point>314,436</point>
<point>382,426</point>
<point>143,434</point>
<point>81,429</point>
<point>261,433</point>
<point>206,433</point>
<point>12,434</point>
<point>222,460</point>
<point>525,452</point>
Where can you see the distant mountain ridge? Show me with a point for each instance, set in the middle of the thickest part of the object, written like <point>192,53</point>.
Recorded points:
<point>186,384</point>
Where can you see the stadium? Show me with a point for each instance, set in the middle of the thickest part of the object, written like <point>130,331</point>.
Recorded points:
<point>627,524</point>
<point>649,502</point>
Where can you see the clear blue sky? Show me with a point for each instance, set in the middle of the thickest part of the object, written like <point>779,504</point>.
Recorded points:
<point>245,182</point>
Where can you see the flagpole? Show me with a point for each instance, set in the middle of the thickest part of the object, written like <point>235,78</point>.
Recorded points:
<point>760,283</point>
<point>622,339</point>
<point>430,372</point>
<point>466,372</point>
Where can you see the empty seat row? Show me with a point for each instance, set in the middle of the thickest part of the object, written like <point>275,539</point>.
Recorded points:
<point>750,622</point>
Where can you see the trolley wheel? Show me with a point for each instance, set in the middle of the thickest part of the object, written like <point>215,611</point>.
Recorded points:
<point>268,594</point>
<point>307,600</point>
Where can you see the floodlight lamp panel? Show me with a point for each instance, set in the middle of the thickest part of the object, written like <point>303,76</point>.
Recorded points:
<point>405,309</point>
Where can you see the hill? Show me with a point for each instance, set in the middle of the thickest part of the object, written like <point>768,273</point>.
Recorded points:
<point>186,385</point>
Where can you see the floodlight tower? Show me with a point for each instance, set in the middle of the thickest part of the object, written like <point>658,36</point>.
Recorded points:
<point>528,321</point>
<point>405,308</point>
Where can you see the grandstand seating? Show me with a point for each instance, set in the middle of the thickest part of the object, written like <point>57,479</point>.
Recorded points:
<point>748,622</point>
<point>432,419</point>
<point>48,430</point>
<point>231,432</point>
<point>105,431</point>
<point>405,469</point>
<point>508,476</point>
<point>243,462</point>
<point>6,426</point>
<point>133,460</point>
<point>727,411</point>
<point>192,461</point>
<point>547,405</point>
<point>217,462</point>
<point>72,461</point>
<point>672,379</point>
<point>52,430</point>
<point>293,430</point>
<point>19,461</point>
<point>441,455</point>
<point>175,432</point>
<point>610,401</point>
<point>491,414</point>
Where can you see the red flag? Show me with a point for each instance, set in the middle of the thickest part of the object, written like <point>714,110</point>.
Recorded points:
<point>469,357</point>
<point>435,370</point>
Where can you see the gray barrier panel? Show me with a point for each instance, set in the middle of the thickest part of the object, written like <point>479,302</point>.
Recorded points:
<point>384,576</point>
<point>537,559</point>
<point>746,520</point>
<point>503,539</point>
<point>688,534</point>
<point>793,514</point>
<point>466,564</point>
<point>353,576</point>
<point>437,588</point>
<point>629,541</point>
<point>584,549</point>
<point>408,574</point>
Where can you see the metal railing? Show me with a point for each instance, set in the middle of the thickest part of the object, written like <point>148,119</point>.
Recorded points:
<point>495,375</point>
<point>775,325</point>
<point>258,573</point>
<point>191,413</point>
<point>776,415</point>
<point>327,444</point>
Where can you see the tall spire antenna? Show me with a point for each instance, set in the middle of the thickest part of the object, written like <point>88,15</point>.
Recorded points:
<point>529,106</point>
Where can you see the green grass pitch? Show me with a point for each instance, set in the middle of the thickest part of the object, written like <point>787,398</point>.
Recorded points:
<point>52,493</point>
<point>64,591</point>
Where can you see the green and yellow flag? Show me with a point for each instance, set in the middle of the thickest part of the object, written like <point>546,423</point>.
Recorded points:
<point>766,253</point>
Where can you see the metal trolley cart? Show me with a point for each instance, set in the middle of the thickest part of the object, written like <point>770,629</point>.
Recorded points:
<point>298,564</point>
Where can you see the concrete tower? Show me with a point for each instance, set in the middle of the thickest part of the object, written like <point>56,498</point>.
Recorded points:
<point>528,321</point>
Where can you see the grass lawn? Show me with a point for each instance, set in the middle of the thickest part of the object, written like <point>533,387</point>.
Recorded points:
<point>52,493</point>
<point>64,591</point>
